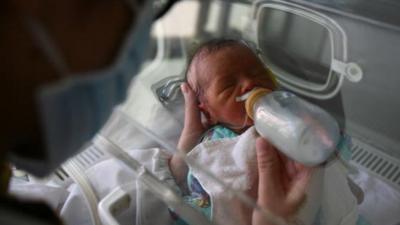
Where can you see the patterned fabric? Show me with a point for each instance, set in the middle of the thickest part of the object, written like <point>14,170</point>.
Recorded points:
<point>218,132</point>
<point>198,198</point>
<point>343,147</point>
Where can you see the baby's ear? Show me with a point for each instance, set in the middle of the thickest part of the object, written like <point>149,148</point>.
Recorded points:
<point>203,109</point>
<point>201,106</point>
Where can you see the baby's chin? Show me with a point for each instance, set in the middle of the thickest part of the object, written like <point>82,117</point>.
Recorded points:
<point>240,128</point>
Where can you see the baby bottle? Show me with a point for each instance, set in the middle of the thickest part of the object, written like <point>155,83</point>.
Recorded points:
<point>302,131</point>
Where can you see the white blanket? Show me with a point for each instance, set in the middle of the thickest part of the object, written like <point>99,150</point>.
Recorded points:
<point>381,205</point>
<point>145,208</point>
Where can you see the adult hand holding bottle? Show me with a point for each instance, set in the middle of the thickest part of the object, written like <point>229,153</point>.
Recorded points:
<point>281,185</point>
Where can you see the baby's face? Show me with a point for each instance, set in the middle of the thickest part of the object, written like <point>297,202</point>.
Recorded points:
<point>225,75</point>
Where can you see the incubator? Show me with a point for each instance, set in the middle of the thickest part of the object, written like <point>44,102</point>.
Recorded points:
<point>339,55</point>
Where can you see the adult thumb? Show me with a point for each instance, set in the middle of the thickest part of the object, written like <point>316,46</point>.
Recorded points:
<point>269,171</point>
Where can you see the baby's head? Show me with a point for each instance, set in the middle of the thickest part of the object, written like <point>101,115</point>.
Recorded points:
<point>220,71</point>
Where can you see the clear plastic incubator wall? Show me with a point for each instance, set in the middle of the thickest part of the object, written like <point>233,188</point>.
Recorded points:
<point>340,55</point>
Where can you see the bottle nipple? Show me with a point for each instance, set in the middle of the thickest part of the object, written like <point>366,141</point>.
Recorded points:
<point>253,96</point>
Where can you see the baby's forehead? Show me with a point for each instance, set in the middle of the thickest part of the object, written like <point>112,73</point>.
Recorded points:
<point>207,65</point>
<point>198,76</point>
<point>216,65</point>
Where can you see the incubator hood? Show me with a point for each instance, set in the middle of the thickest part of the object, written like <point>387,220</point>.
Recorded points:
<point>328,53</point>
<point>340,55</point>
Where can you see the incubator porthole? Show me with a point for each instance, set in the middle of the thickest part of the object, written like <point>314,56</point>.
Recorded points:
<point>303,48</point>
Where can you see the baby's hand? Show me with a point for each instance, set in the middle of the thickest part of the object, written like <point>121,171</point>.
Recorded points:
<point>193,127</point>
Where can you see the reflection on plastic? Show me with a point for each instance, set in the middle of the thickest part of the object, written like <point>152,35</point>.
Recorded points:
<point>164,192</point>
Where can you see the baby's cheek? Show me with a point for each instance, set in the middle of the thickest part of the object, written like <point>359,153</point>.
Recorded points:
<point>239,114</point>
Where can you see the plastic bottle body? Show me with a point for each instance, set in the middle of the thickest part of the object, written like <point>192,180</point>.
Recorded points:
<point>301,130</point>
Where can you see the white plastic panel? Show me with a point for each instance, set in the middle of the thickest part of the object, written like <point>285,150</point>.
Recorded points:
<point>306,49</point>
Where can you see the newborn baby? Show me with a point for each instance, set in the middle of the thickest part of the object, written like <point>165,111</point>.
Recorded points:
<point>219,72</point>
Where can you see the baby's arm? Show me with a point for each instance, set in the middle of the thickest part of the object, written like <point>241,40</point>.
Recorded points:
<point>191,133</point>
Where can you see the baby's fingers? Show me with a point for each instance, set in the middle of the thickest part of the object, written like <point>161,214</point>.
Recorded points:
<point>188,94</point>
<point>192,111</point>
<point>191,108</point>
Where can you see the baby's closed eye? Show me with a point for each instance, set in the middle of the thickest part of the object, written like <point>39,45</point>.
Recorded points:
<point>228,88</point>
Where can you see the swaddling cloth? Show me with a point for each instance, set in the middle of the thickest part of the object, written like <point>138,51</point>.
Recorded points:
<point>233,161</point>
